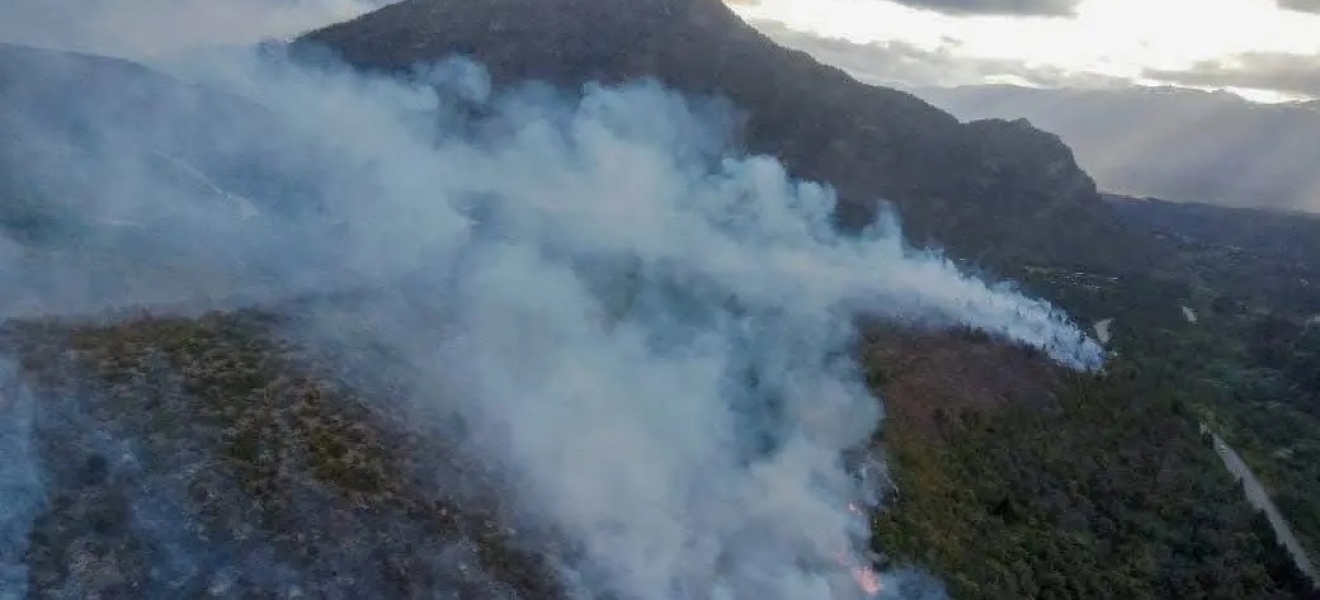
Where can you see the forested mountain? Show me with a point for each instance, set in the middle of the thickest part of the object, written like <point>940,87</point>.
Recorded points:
<point>997,191</point>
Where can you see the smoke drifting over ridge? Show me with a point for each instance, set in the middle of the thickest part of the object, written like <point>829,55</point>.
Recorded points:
<point>650,336</point>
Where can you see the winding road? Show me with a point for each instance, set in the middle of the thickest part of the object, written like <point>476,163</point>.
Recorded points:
<point>1260,499</point>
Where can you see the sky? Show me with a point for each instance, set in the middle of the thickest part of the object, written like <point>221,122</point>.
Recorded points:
<point>1264,49</point>
<point>145,29</point>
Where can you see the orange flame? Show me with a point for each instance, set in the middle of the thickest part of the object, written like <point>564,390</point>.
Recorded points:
<point>866,577</point>
<point>868,580</point>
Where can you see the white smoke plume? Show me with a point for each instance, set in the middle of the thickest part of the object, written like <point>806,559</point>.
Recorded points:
<point>20,482</point>
<point>650,335</point>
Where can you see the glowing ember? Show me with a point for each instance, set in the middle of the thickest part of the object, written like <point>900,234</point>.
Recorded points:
<point>868,580</point>
<point>866,577</point>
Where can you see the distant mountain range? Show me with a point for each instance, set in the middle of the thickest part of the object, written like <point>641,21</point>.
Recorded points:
<point>1175,144</point>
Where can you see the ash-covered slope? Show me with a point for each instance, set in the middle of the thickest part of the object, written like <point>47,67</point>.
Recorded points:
<point>999,192</point>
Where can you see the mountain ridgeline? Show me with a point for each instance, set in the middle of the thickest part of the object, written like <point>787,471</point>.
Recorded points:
<point>997,193</point>
<point>1170,143</point>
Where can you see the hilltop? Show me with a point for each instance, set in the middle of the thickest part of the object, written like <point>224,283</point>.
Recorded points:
<point>997,192</point>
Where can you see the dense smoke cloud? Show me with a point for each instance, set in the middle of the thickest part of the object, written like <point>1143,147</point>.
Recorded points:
<point>650,336</point>
<point>20,482</point>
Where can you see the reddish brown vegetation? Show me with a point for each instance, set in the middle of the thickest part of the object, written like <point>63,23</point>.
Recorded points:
<point>926,378</point>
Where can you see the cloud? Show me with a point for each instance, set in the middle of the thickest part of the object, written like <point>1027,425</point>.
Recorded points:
<point>648,335</point>
<point>1048,8</point>
<point>902,64</point>
<point>1294,74</point>
<point>145,28</point>
<point>1311,6</point>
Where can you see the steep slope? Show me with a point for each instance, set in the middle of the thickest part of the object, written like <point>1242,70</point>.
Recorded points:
<point>1175,144</point>
<point>998,193</point>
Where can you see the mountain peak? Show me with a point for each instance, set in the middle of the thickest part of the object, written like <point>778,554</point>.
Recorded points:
<point>574,38</point>
<point>871,143</point>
